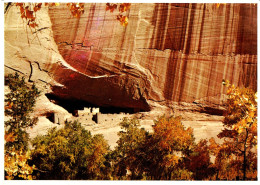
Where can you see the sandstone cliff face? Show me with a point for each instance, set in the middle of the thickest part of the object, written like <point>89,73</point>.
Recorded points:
<point>168,53</point>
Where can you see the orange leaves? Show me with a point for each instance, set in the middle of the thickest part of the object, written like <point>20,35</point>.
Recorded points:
<point>28,12</point>
<point>10,137</point>
<point>240,129</point>
<point>123,20</point>
<point>111,7</point>
<point>172,135</point>
<point>52,4</point>
<point>100,148</point>
<point>241,107</point>
<point>218,4</point>
<point>76,9</point>
<point>9,105</point>
<point>33,25</point>
<point>16,161</point>
<point>123,7</point>
<point>37,7</point>
<point>171,160</point>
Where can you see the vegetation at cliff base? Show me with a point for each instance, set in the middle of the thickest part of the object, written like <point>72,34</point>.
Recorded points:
<point>236,157</point>
<point>19,103</point>
<point>168,152</point>
<point>69,153</point>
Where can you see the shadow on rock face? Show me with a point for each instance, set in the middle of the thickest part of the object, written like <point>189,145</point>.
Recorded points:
<point>73,105</point>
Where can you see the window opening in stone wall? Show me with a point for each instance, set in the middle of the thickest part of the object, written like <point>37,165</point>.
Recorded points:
<point>50,116</point>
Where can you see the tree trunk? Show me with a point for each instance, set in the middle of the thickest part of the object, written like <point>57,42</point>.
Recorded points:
<point>244,166</point>
<point>244,154</point>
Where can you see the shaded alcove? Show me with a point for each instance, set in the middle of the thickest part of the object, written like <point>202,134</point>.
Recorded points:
<point>50,116</point>
<point>73,105</point>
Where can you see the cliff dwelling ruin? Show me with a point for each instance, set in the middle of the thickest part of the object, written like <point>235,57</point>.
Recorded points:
<point>87,112</point>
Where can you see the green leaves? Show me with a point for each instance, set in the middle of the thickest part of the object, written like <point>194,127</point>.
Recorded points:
<point>69,153</point>
<point>19,103</point>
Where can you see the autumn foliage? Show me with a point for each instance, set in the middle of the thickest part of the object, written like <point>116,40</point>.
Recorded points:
<point>19,103</point>
<point>168,152</point>
<point>236,157</point>
<point>158,155</point>
<point>76,9</point>
<point>121,7</point>
<point>69,153</point>
<point>28,11</point>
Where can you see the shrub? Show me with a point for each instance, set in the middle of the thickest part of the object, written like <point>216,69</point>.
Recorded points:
<point>69,153</point>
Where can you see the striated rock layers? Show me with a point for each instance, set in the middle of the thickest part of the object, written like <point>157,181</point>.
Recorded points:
<point>168,53</point>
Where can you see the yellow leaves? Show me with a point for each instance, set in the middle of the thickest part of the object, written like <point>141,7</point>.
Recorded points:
<point>218,4</point>
<point>123,7</point>
<point>240,127</point>
<point>172,134</point>
<point>226,83</point>
<point>52,4</point>
<point>249,119</point>
<point>171,160</point>
<point>76,9</point>
<point>16,165</point>
<point>29,177</point>
<point>240,130</point>
<point>123,20</point>
<point>213,146</point>
<point>229,91</point>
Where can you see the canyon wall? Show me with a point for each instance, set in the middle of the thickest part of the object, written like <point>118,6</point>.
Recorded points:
<point>167,53</point>
<point>172,52</point>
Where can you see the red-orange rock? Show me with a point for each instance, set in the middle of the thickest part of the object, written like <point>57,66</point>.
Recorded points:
<point>167,53</point>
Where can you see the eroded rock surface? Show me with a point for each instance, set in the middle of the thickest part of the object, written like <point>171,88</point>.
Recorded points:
<point>167,53</point>
<point>170,58</point>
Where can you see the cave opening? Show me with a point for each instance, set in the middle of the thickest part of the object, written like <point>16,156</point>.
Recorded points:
<point>73,105</point>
